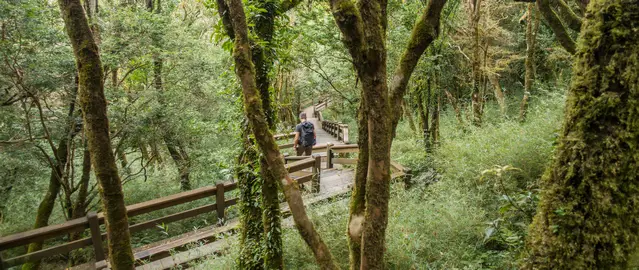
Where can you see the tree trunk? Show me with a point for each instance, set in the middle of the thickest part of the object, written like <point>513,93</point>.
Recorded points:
<point>264,138</point>
<point>252,230</point>
<point>60,158</point>
<point>499,95</point>
<point>531,35</point>
<point>423,119</point>
<point>453,102</point>
<point>587,216</point>
<point>358,200</point>
<point>409,116</point>
<point>476,97</point>
<point>434,125</point>
<point>96,125</point>
<point>264,27</point>
<point>173,144</point>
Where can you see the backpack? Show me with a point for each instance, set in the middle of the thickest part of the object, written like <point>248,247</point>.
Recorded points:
<point>306,137</point>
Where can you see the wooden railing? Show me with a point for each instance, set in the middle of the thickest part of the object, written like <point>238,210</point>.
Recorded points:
<point>93,220</point>
<point>339,130</point>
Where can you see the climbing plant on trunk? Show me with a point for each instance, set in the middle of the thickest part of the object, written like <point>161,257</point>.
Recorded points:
<point>587,216</point>
<point>253,107</point>
<point>96,126</point>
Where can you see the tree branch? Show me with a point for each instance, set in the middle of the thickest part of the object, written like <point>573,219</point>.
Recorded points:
<point>557,26</point>
<point>424,32</point>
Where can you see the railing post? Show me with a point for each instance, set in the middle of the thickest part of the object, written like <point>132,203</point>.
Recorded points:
<point>329,156</point>
<point>219,200</point>
<point>96,236</point>
<point>345,131</point>
<point>317,169</point>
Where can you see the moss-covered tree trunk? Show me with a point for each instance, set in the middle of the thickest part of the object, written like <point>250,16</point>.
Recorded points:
<point>250,186</point>
<point>96,126</point>
<point>264,27</point>
<point>253,106</point>
<point>358,200</point>
<point>588,214</point>
<point>532,24</point>
<point>476,97</point>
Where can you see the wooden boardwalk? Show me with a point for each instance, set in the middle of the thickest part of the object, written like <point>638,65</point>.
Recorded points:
<point>336,173</point>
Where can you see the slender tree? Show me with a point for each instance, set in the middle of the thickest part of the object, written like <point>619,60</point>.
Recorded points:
<point>532,25</point>
<point>587,216</point>
<point>96,126</point>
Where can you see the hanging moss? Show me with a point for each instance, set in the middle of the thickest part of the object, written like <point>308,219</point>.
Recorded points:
<point>588,217</point>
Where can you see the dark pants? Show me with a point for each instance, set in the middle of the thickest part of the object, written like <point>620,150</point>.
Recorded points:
<point>304,151</point>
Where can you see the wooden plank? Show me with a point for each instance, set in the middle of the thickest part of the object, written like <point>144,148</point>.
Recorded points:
<point>165,250</point>
<point>182,260</point>
<point>346,150</point>
<point>300,165</point>
<point>169,201</point>
<point>286,145</point>
<point>397,175</point>
<point>172,200</point>
<point>41,234</point>
<point>346,146</point>
<point>344,161</point>
<point>48,252</point>
<point>172,218</point>
<point>398,166</point>
<point>305,178</point>
<point>284,136</point>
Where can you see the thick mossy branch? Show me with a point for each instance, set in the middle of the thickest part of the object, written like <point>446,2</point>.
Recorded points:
<point>424,32</point>
<point>350,23</point>
<point>588,217</point>
<point>572,20</point>
<point>556,25</point>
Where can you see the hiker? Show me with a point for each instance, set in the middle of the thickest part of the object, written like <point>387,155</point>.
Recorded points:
<point>305,137</point>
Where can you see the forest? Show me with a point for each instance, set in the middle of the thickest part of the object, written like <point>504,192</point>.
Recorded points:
<point>447,134</point>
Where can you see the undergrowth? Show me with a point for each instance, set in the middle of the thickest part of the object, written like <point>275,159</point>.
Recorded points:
<point>470,204</point>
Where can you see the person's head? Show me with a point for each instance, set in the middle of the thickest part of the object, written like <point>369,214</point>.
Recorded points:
<point>302,116</point>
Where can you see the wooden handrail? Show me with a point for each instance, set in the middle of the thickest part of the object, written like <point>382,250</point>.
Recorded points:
<point>92,220</point>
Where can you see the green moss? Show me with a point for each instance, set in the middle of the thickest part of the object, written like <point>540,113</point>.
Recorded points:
<point>587,218</point>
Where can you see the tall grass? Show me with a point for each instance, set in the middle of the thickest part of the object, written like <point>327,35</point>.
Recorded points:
<point>442,224</point>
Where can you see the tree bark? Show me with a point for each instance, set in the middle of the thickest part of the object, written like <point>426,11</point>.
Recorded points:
<point>96,125</point>
<point>499,94</point>
<point>556,25</point>
<point>264,138</point>
<point>587,216</point>
<point>572,20</point>
<point>358,200</point>
<point>423,119</point>
<point>425,31</point>
<point>250,186</point>
<point>409,116</point>
<point>531,36</point>
<point>475,16</point>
